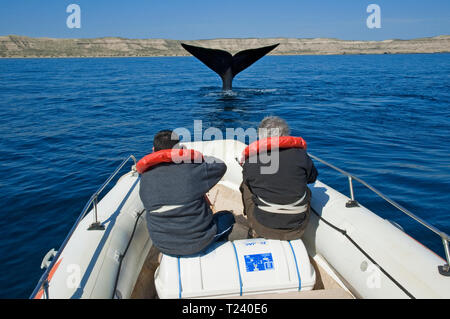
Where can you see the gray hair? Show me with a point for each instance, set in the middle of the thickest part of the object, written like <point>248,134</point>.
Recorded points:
<point>273,126</point>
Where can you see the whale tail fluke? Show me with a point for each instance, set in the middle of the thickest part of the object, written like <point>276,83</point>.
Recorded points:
<point>226,65</point>
<point>244,59</point>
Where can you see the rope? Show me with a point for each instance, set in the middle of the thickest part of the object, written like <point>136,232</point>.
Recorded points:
<point>238,268</point>
<point>296,266</point>
<point>179,278</point>
<point>124,253</point>
<point>344,232</point>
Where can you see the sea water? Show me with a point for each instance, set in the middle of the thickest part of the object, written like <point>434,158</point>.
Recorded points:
<point>65,124</point>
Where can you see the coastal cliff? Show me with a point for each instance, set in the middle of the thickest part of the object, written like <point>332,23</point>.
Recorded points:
<point>21,46</point>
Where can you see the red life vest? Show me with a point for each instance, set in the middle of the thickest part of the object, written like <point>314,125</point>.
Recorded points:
<point>175,155</point>
<point>272,143</point>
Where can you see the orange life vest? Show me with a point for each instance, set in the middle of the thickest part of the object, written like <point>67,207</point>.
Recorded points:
<point>175,155</point>
<point>272,143</point>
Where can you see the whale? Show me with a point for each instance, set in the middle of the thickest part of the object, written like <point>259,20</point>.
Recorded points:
<point>226,65</point>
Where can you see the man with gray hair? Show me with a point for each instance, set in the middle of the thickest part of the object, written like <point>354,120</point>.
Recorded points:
<point>273,126</point>
<point>277,204</point>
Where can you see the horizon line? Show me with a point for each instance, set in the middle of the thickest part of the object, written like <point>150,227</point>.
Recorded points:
<point>221,38</point>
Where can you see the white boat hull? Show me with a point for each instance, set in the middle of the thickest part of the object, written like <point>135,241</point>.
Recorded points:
<point>88,265</point>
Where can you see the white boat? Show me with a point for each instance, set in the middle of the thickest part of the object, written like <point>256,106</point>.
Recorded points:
<point>350,251</point>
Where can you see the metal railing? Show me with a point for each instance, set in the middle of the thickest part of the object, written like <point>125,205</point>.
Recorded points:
<point>96,225</point>
<point>353,203</point>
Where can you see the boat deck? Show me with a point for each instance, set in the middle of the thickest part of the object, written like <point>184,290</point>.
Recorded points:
<point>224,198</point>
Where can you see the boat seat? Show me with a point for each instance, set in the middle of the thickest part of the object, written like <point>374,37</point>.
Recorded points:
<point>237,268</point>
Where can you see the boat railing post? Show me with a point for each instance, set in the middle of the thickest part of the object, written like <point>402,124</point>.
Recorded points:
<point>96,225</point>
<point>133,168</point>
<point>352,202</point>
<point>445,269</point>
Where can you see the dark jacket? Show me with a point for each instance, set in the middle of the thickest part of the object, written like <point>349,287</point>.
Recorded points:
<point>185,227</point>
<point>286,186</point>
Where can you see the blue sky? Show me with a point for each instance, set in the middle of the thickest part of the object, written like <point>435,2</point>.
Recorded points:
<point>206,19</point>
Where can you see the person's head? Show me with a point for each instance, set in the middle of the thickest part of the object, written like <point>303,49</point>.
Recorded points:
<point>273,126</point>
<point>165,139</point>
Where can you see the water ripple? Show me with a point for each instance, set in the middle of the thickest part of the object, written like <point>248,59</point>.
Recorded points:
<point>66,123</point>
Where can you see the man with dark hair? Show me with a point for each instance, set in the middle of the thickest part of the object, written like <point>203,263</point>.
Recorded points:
<point>179,218</point>
<point>165,139</point>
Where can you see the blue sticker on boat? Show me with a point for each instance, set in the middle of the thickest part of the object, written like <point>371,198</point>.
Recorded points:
<point>258,262</point>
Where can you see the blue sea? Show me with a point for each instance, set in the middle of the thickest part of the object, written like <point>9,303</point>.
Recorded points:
<point>65,124</point>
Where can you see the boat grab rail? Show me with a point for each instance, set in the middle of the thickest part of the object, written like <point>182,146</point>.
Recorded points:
<point>96,225</point>
<point>353,203</point>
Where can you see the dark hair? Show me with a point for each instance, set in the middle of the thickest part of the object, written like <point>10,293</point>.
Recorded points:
<point>165,139</point>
